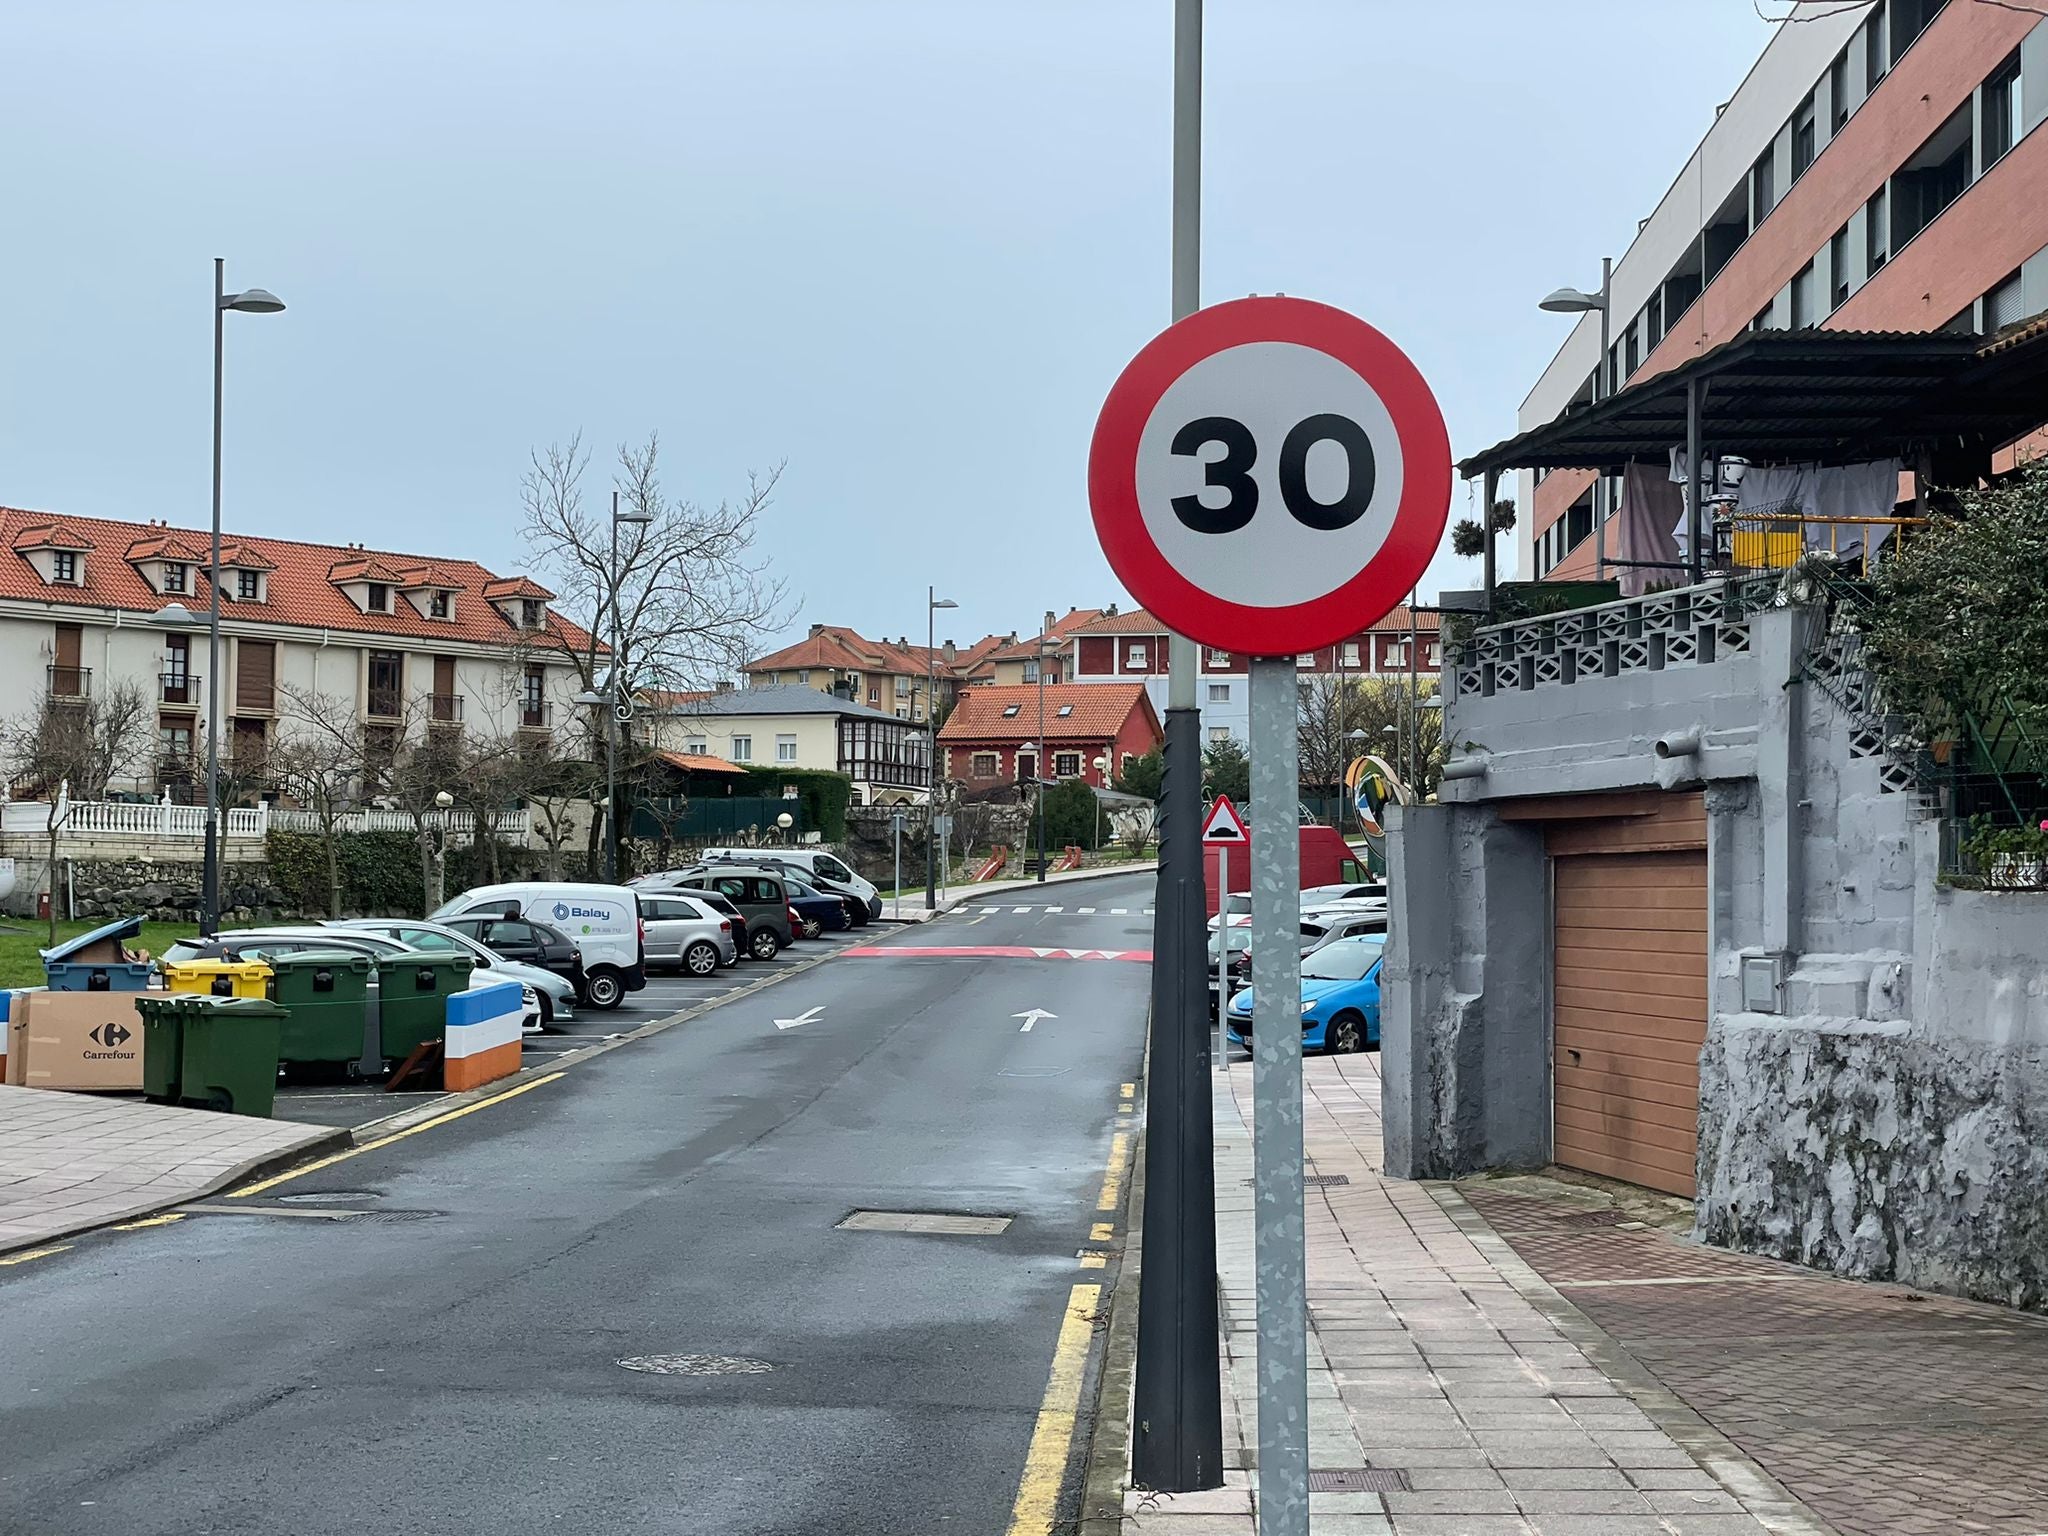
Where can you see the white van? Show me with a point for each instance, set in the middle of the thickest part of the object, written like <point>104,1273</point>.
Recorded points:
<point>824,865</point>
<point>603,921</point>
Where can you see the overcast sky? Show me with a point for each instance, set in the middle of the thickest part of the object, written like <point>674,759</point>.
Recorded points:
<point>903,245</point>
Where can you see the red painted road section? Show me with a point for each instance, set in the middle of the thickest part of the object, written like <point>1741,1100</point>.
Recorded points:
<point>988,952</point>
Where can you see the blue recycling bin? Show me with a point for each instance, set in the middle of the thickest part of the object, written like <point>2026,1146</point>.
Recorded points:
<point>97,961</point>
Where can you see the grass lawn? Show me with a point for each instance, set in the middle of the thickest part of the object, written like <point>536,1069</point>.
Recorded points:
<point>22,966</point>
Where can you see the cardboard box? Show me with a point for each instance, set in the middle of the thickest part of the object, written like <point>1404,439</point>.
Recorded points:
<point>75,1040</point>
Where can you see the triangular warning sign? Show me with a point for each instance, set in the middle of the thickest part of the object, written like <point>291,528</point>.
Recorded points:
<point>1224,824</point>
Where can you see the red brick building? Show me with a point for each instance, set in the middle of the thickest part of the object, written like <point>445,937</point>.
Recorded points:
<point>993,735</point>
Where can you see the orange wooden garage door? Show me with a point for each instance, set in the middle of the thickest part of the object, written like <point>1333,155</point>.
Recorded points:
<point>1630,972</point>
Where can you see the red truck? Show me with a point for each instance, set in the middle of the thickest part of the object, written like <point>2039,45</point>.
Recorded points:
<point>1326,859</point>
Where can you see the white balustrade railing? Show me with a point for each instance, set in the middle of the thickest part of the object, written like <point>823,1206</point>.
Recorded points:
<point>159,819</point>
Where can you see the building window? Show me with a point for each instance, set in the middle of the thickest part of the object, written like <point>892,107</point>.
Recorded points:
<point>1762,322</point>
<point>1802,298</point>
<point>1874,61</point>
<point>1305,659</point>
<point>174,745</point>
<point>2004,304</point>
<point>984,765</point>
<point>1877,233</point>
<point>1350,653</point>
<point>804,677</point>
<point>1631,353</point>
<point>1066,765</point>
<point>1838,91</point>
<point>1762,189</point>
<point>1219,658</point>
<point>1219,693</point>
<point>1217,735</point>
<point>529,613</point>
<point>1031,671</point>
<point>1653,319</point>
<point>743,749</point>
<point>248,586</point>
<point>64,566</point>
<point>2002,125</point>
<point>1065,710</point>
<point>437,605</point>
<point>785,749</point>
<point>1838,269</point>
<point>695,746</point>
<point>378,599</point>
<point>1804,142</point>
<point>1010,711</point>
<point>533,703</point>
<point>1936,176</point>
<point>387,683</point>
<point>174,576</point>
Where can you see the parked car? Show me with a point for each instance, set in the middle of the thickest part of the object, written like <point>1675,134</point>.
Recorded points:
<point>814,909</point>
<point>1238,945</point>
<point>602,920</point>
<point>858,912</point>
<point>531,943</point>
<point>557,994</point>
<point>757,894</point>
<point>1340,999</point>
<point>1344,890</point>
<point>682,930</point>
<point>259,943</point>
<point>819,869</point>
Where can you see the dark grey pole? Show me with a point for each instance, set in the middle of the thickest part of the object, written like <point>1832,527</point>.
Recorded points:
<point>1044,778</point>
<point>1489,487</point>
<point>931,755</point>
<point>209,875</point>
<point>1177,1415</point>
<point>1693,521</point>
<point>611,719</point>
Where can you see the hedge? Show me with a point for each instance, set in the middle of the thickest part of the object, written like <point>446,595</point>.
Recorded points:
<point>822,797</point>
<point>380,871</point>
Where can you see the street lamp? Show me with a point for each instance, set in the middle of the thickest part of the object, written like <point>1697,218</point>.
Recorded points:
<point>1101,772</point>
<point>251,301</point>
<point>1571,301</point>
<point>618,703</point>
<point>932,604</point>
<point>1043,777</point>
<point>785,821</point>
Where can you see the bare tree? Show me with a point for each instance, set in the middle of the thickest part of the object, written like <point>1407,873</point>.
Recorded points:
<point>73,748</point>
<point>1384,710</point>
<point>554,784</point>
<point>491,779</point>
<point>321,764</point>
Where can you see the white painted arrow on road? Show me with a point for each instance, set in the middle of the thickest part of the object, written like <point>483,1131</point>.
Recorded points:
<point>808,1016</point>
<point>1032,1018</point>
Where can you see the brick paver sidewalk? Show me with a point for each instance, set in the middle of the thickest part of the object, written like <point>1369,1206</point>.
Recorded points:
<point>1887,1411</point>
<point>73,1161</point>
<point>1437,1357</point>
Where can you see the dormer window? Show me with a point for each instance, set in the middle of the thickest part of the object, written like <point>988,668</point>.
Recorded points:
<point>529,613</point>
<point>175,578</point>
<point>438,606</point>
<point>64,566</point>
<point>378,599</point>
<point>249,586</point>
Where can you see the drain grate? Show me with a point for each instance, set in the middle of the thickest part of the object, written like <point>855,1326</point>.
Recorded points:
<point>696,1365</point>
<point>938,1223</point>
<point>1358,1480</point>
<point>1327,1178</point>
<point>364,1218</point>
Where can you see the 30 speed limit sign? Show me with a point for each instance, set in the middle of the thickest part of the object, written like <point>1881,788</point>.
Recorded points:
<point>1270,475</point>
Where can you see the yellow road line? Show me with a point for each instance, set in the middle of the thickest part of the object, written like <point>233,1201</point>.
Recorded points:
<point>385,1141</point>
<point>1093,1260</point>
<point>1113,1175</point>
<point>35,1253</point>
<point>1052,1436</point>
<point>1102,1232</point>
<point>150,1221</point>
<point>1129,1090</point>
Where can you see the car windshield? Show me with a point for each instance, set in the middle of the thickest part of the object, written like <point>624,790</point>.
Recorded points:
<point>831,869</point>
<point>1346,960</point>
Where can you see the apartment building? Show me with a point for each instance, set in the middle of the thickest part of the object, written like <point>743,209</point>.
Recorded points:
<point>1131,647</point>
<point>795,725</point>
<point>400,640</point>
<point>1877,170</point>
<point>885,675</point>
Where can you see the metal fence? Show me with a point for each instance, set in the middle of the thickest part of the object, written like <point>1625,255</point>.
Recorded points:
<point>161,819</point>
<point>731,818</point>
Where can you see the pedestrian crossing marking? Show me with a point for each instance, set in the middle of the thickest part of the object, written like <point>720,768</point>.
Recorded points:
<point>1084,911</point>
<point>1055,909</point>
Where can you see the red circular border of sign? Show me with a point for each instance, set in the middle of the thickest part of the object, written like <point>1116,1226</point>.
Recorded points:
<point>1362,601</point>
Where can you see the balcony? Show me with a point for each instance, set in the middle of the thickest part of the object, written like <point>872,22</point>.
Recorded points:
<point>444,708</point>
<point>180,690</point>
<point>536,715</point>
<point>70,682</point>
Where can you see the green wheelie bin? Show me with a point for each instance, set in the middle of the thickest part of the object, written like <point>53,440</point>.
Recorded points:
<point>412,997</point>
<point>163,1043</point>
<point>326,992</point>
<point>230,1055</point>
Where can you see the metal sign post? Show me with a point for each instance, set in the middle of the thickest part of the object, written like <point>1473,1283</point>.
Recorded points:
<point>1276,1102</point>
<point>896,901</point>
<point>1222,1057</point>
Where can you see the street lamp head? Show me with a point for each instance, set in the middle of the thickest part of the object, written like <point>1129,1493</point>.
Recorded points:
<point>1390,730</point>
<point>785,821</point>
<point>252,301</point>
<point>174,616</point>
<point>640,516</point>
<point>1434,701</point>
<point>944,602</point>
<point>589,696</point>
<point>1570,301</point>
<point>443,799</point>
<point>1357,735</point>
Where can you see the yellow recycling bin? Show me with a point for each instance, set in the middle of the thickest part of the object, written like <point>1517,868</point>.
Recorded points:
<point>219,978</point>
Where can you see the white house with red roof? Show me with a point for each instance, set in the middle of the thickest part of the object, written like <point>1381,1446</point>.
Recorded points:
<point>398,638</point>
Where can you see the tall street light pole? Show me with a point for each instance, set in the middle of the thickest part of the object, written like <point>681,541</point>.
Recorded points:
<point>251,301</point>
<point>1570,301</point>
<point>614,698</point>
<point>932,604</point>
<point>1044,778</point>
<point>1176,1397</point>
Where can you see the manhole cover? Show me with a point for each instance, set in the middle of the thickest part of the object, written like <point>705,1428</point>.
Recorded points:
<point>941,1223</point>
<point>696,1365</point>
<point>329,1197</point>
<point>1327,1178</point>
<point>1606,1216</point>
<point>1358,1480</point>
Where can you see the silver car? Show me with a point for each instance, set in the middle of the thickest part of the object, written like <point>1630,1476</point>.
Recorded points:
<point>684,931</point>
<point>556,994</point>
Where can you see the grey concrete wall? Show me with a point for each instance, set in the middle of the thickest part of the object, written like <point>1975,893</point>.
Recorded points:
<point>1464,1022</point>
<point>1886,1115</point>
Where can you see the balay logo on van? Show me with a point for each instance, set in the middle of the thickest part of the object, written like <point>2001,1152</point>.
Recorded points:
<point>564,911</point>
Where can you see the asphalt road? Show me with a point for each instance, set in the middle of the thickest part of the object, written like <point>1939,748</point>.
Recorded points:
<point>451,1364</point>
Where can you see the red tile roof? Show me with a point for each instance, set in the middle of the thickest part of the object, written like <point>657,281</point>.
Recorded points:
<point>1137,621</point>
<point>361,568</point>
<point>508,586</point>
<point>49,534</point>
<point>170,546</point>
<point>699,762</point>
<point>429,577</point>
<point>1097,712</point>
<point>300,592</point>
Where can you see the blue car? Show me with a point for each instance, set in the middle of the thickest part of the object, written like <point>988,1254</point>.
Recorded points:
<point>1340,998</point>
<point>817,911</point>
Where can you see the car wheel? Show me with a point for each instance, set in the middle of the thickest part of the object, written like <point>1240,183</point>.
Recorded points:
<point>547,1009</point>
<point>1345,1035</point>
<point>813,927</point>
<point>701,959</point>
<point>762,944</point>
<point>606,990</point>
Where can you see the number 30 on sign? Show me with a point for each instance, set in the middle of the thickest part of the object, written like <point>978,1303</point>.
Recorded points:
<point>1270,475</point>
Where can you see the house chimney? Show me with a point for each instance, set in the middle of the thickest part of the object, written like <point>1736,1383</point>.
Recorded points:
<point>723,685</point>
<point>948,651</point>
<point>817,630</point>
